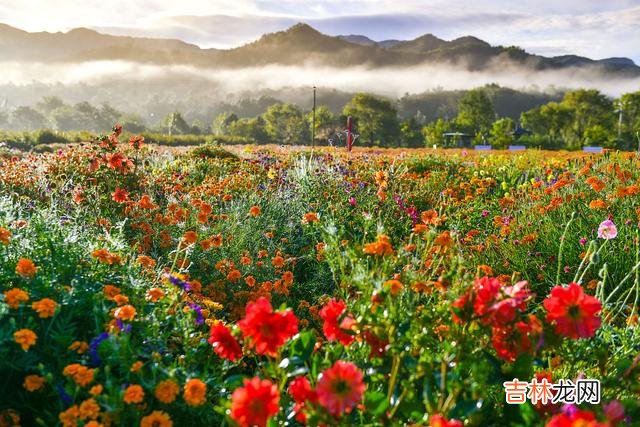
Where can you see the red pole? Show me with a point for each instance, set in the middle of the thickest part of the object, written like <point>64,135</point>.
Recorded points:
<point>349,133</point>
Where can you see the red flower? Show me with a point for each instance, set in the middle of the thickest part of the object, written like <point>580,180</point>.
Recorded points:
<point>301,392</point>
<point>333,330</point>
<point>512,341</point>
<point>120,195</point>
<point>253,404</point>
<point>378,345</point>
<point>504,311</point>
<point>224,344</point>
<point>340,388</point>
<point>267,329</point>
<point>574,312</point>
<point>487,290</point>
<point>578,418</point>
<point>440,421</point>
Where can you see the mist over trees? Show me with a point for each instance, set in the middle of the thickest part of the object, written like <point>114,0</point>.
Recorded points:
<point>490,114</point>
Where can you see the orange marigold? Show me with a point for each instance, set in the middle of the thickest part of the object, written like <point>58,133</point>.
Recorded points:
<point>81,375</point>
<point>133,394</point>
<point>382,246</point>
<point>146,262</point>
<point>166,391</point>
<point>156,419</point>
<point>255,210</point>
<point>309,218</point>
<point>154,294</point>
<point>33,382</point>
<point>79,347</point>
<point>195,392</point>
<point>25,337</point>
<point>126,312</point>
<point>46,307</point>
<point>89,409</point>
<point>14,297</point>
<point>26,268</point>
<point>598,204</point>
<point>5,236</point>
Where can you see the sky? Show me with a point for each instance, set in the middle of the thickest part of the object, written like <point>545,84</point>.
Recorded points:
<point>592,28</point>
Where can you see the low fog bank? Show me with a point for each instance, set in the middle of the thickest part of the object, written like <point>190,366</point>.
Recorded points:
<point>389,81</point>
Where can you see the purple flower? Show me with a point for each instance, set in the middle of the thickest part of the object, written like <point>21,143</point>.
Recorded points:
<point>178,282</point>
<point>93,348</point>
<point>198,310</point>
<point>583,241</point>
<point>607,230</point>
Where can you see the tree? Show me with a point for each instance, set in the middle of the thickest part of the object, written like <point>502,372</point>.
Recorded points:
<point>326,122</point>
<point>221,123</point>
<point>475,112</point>
<point>174,123</point>
<point>26,118</point>
<point>434,133</point>
<point>552,121</point>
<point>250,128</point>
<point>48,104</point>
<point>501,133</point>
<point>375,118</point>
<point>285,124</point>
<point>588,108</point>
<point>629,119</point>
<point>410,133</point>
<point>4,120</point>
<point>65,118</point>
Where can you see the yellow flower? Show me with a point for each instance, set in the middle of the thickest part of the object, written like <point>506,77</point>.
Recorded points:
<point>166,391</point>
<point>133,394</point>
<point>46,307</point>
<point>33,382</point>
<point>25,337</point>
<point>195,392</point>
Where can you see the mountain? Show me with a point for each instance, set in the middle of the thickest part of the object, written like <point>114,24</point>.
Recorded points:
<point>298,45</point>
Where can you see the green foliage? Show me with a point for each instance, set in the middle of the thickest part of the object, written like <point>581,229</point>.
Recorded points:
<point>375,120</point>
<point>475,112</point>
<point>501,134</point>
<point>285,124</point>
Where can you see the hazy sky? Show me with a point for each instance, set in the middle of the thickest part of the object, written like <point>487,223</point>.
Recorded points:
<point>593,28</point>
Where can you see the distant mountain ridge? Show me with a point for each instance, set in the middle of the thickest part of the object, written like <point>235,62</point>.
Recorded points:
<point>300,44</point>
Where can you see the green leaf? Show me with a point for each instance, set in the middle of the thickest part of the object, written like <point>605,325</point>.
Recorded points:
<point>376,402</point>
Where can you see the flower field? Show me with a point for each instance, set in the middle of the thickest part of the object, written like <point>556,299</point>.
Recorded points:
<point>266,286</point>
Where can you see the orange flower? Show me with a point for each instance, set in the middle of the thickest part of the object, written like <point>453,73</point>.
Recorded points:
<point>195,392</point>
<point>216,241</point>
<point>106,257</point>
<point>126,312</point>
<point>33,382</point>
<point>14,297</point>
<point>595,183</point>
<point>89,409</point>
<point>597,204</point>
<point>133,394</point>
<point>81,374</point>
<point>154,294</point>
<point>69,418</point>
<point>79,347</point>
<point>26,268</point>
<point>255,211</point>
<point>382,246</point>
<point>25,337</point>
<point>287,277</point>
<point>166,391</point>
<point>430,217</point>
<point>277,261</point>
<point>190,237</point>
<point>156,419</point>
<point>146,262</point>
<point>393,285</point>
<point>234,275</point>
<point>46,307</point>
<point>5,236</point>
<point>110,291</point>
<point>96,390</point>
<point>136,366</point>
<point>309,217</point>
<point>120,299</point>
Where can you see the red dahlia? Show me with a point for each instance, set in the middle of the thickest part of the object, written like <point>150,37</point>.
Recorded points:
<point>255,403</point>
<point>337,322</point>
<point>575,314</point>
<point>268,330</point>
<point>340,388</point>
<point>224,344</point>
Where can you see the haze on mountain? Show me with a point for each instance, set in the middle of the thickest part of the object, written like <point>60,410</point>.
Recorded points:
<point>151,76</point>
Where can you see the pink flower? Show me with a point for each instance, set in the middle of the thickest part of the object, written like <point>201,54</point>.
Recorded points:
<point>607,230</point>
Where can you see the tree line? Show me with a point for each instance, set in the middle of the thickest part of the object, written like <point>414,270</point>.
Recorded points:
<point>581,117</point>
